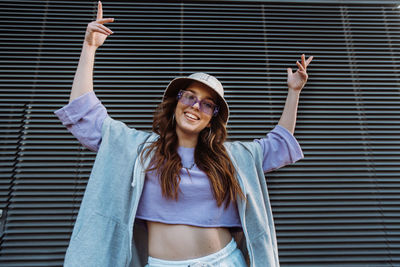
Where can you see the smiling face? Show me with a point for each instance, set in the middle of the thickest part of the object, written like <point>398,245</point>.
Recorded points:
<point>190,121</point>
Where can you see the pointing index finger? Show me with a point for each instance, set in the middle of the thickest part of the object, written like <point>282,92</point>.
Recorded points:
<point>99,11</point>
<point>303,59</point>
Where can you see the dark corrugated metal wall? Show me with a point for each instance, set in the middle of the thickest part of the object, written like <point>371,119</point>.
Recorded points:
<point>338,206</point>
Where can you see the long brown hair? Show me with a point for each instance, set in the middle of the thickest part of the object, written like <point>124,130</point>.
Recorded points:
<point>210,156</point>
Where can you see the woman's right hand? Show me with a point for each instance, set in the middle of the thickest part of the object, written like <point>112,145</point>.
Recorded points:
<point>96,32</point>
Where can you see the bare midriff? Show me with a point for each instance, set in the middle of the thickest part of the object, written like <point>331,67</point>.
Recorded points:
<point>183,242</point>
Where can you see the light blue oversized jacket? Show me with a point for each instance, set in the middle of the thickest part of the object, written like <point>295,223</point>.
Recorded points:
<point>104,235</point>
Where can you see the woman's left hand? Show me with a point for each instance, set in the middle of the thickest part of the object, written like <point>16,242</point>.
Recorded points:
<point>297,80</point>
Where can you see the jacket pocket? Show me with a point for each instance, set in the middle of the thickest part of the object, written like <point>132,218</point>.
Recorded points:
<point>101,241</point>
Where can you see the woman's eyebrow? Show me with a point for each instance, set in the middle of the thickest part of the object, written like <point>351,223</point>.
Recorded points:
<point>208,97</point>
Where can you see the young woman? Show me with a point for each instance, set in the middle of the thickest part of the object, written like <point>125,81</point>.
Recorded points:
<point>179,195</point>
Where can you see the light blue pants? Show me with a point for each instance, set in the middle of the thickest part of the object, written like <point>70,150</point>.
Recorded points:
<point>229,256</point>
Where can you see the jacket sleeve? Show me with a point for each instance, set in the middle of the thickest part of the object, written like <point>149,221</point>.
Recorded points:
<point>279,148</point>
<point>84,117</point>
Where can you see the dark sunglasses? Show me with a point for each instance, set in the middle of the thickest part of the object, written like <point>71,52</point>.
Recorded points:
<point>205,105</point>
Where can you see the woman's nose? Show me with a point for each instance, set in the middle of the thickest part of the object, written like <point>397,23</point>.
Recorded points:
<point>196,105</point>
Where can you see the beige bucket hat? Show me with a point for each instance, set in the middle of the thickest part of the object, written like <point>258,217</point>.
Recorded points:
<point>181,82</point>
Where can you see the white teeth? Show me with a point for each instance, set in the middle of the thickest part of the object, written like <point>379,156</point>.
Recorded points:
<point>191,116</point>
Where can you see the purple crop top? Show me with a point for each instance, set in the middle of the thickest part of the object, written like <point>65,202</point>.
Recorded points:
<point>194,191</point>
<point>84,116</point>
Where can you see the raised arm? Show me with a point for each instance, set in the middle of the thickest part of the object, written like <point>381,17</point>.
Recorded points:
<point>85,114</point>
<point>280,147</point>
<point>296,82</point>
<point>96,34</point>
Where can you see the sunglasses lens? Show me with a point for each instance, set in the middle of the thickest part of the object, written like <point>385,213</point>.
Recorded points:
<point>207,107</point>
<point>190,99</point>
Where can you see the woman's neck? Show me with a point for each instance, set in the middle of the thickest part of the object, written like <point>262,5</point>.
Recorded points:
<point>186,140</point>
<point>187,143</point>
